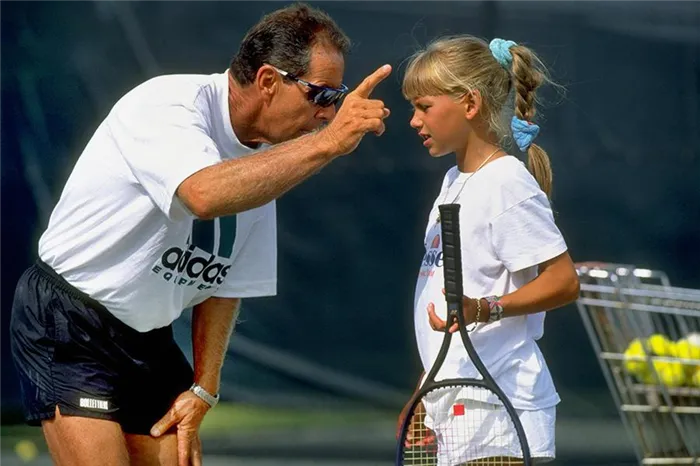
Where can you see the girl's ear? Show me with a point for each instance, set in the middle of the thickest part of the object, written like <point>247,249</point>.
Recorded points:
<point>472,104</point>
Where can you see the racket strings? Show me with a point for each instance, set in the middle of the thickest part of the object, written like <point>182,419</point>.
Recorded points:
<point>460,426</point>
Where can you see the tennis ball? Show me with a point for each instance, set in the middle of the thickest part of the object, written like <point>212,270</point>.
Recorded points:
<point>687,350</point>
<point>26,450</point>
<point>694,378</point>
<point>647,378</point>
<point>671,374</point>
<point>635,366</point>
<point>660,345</point>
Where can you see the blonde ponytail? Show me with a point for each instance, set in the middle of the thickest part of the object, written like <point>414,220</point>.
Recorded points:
<point>540,167</point>
<point>528,74</point>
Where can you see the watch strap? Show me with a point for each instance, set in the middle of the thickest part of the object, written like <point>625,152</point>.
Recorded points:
<point>495,308</point>
<point>208,398</point>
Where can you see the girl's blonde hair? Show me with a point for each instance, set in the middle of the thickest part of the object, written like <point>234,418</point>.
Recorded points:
<point>456,66</point>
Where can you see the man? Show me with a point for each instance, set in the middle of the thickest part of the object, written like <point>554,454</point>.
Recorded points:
<point>171,205</point>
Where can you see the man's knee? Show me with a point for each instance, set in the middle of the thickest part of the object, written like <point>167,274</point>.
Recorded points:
<point>145,450</point>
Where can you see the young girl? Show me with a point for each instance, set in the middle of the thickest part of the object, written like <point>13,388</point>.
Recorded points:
<point>515,260</point>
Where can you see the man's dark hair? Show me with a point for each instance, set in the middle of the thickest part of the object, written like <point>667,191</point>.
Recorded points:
<point>284,39</point>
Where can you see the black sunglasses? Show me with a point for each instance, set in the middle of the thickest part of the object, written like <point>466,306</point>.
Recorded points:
<point>320,95</point>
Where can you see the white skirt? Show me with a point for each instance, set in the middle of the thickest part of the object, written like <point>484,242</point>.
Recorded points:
<point>493,435</point>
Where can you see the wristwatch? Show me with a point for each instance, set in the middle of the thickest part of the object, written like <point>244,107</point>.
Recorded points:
<point>495,308</point>
<point>208,398</point>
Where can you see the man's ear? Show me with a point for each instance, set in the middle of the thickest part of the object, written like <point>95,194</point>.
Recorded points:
<point>268,82</point>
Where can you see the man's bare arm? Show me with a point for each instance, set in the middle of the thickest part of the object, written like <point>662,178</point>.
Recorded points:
<point>212,323</point>
<point>248,182</point>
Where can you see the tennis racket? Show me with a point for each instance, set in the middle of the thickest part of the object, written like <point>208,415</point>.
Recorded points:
<point>458,422</point>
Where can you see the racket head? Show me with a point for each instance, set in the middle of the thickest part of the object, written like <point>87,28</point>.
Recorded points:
<point>459,422</point>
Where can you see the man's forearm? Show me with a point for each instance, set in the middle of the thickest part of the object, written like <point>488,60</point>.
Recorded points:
<point>212,324</point>
<point>248,182</point>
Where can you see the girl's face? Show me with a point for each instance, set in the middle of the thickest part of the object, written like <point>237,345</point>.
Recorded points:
<point>441,123</point>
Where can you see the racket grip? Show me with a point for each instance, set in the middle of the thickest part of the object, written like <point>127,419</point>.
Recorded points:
<point>451,254</point>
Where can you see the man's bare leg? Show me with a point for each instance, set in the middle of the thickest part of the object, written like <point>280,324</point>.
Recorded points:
<point>145,450</point>
<point>84,441</point>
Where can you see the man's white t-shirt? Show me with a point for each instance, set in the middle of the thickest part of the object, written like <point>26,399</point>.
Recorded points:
<point>507,229</point>
<point>120,234</point>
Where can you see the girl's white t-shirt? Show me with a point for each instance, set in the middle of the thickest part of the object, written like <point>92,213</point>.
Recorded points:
<point>119,232</point>
<point>507,229</point>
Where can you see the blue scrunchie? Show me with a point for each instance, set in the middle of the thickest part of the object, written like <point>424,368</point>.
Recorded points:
<point>500,49</point>
<point>523,133</point>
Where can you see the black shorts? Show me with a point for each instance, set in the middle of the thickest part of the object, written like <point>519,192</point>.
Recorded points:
<point>73,353</point>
